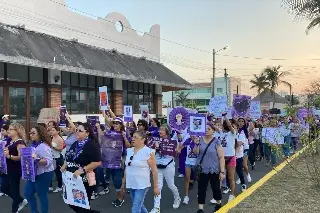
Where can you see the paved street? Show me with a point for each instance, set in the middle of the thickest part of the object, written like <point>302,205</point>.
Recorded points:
<point>103,203</point>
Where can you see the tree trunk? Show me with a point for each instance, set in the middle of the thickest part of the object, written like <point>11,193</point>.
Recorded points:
<point>274,99</point>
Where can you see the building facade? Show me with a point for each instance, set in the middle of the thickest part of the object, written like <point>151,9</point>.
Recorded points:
<point>48,67</point>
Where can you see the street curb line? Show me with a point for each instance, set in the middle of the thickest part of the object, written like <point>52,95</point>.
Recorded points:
<point>226,208</point>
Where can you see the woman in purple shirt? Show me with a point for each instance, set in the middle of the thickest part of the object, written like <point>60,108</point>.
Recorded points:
<point>41,142</point>
<point>11,181</point>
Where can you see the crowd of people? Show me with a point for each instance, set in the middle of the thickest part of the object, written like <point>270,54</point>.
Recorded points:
<point>222,157</point>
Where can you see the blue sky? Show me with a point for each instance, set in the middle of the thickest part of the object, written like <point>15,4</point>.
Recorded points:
<point>254,28</point>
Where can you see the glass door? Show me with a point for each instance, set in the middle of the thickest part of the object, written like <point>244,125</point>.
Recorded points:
<point>18,105</point>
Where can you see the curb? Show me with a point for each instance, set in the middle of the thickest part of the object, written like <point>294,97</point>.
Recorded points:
<point>226,208</point>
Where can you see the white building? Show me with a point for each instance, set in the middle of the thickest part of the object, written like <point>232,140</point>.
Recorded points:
<point>227,87</point>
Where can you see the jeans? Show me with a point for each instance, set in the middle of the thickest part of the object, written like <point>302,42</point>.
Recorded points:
<point>252,152</point>
<point>286,146</point>
<point>11,187</point>
<point>138,196</point>
<point>168,174</point>
<point>1,178</point>
<point>116,175</point>
<point>269,154</point>
<point>100,177</point>
<point>294,141</point>
<point>59,164</point>
<point>239,170</point>
<point>41,187</point>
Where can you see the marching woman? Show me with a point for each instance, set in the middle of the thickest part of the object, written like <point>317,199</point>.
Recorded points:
<point>139,161</point>
<point>228,141</point>
<point>166,169</point>
<point>11,181</point>
<point>6,138</point>
<point>41,141</point>
<point>212,163</point>
<point>82,158</point>
<point>57,147</point>
<point>154,127</point>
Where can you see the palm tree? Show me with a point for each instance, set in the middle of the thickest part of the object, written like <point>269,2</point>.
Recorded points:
<point>181,97</point>
<point>305,9</point>
<point>274,78</point>
<point>259,83</point>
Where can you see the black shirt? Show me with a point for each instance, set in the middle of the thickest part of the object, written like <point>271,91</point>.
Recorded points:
<point>90,153</point>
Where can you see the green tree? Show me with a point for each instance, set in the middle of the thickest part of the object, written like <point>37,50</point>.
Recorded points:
<point>259,83</point>
<point>181,98</point>
<point>274,78</point>
<point>306,10</point>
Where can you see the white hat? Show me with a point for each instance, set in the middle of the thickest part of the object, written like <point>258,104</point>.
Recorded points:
<point>5,116</point>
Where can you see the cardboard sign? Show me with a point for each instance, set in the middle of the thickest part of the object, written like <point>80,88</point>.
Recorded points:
<point>48,114</point>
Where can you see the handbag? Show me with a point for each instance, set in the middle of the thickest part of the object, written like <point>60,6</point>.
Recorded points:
<point>198,168</point>
<point>91,177</point>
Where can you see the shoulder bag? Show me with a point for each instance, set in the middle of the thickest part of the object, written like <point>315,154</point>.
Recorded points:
<point>198,168</point>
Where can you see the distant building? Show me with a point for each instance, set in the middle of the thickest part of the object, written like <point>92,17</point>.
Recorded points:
<point>266,100</point>
<point>201,93</point>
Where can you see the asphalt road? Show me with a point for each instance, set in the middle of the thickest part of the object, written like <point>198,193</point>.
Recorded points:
<point>103,203</point>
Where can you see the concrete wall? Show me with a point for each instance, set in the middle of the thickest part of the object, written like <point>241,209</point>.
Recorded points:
<point>57,20</point>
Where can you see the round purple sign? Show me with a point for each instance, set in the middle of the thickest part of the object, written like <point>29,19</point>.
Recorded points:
<point>241,105</point>
<point>179,118</point>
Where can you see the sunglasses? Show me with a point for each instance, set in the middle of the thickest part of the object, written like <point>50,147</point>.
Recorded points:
<point>116,123</point>
<point>80,130</point>
<point>139,125</point>
<point>129,164</point>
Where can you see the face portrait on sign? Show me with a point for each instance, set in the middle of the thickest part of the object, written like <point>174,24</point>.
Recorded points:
<point>197,123</point>
<point>128,111</point>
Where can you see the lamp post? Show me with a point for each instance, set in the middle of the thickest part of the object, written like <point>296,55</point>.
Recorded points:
<point>214,52</point>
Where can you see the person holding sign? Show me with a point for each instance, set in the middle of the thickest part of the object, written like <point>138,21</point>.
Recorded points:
<point>82,158</point>
<point>6,139</point>
<point>166,167</point>
<point>41,142</point>
<point>11,182</point>
<point>139,161</point>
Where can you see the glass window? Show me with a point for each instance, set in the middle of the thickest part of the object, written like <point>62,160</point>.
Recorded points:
<point>135,86</point>
<point>125,97</point>
<point>74,101</point>
<point>35,75</point>
<point>130,86</point>
<point>92,81</point>
<point>146,88</point>
<point>18,105</point>
<point>141,99</point>
<point>151,103</point>
<point>140,87</point>
<point>17,73</point>
<point>74,79</point>
<point>151,87</point>
<point>66,97</point>
<point>1,100</point>
<point>83,80</point>
<point>136,104</point>
<point>100,82</point>
<point>82,104</point>
<point>65,78</point>
<point>130,99</point>
<point>1,71</point>
<point>107,81</point>
<point>93,102</point>
<point>36,104</point>
<point>125,85</point>
<point>219,90</point>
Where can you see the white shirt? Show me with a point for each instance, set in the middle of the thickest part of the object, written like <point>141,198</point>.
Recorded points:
<point>191,158</point>
<point>138,173</point>
<point>228,141</point>
<point>55,153</point>
<point>239,153</point>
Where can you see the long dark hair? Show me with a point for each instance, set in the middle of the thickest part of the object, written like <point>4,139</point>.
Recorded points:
<point>43,135</point>
<point>244,128</point>
<point>88,128</point>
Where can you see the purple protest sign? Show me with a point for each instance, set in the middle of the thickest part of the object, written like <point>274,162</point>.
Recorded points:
<point>168,147</point>
<point>63,119</point>
<point>151,142</point>
<point>28,164</point>
<point>241,105</point>
<point>127,113</point>
<point>179,118</point>
<point>93,120</point>
<point>3,160</point>
<point>197,126</point>
<point>112,148</point>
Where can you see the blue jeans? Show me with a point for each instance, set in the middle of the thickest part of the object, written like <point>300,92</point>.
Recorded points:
<point>41,187</point>
<point>269,154</point>
<point>286,145</point>
<point>137,197</point>
<point>116,175</point>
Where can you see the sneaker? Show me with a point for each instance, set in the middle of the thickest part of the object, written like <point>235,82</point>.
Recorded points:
<point>94,196</point>
<point>238,181</point>
<point>217,207</point>
<point>226,191</point>
<point>176,203</point>
<point>22,205</point>
<point>253,167</point>
<point>58,189</point>
<point>118,203</point>
<point>155,210</point>
<point>243,187</point>
<point>50,189</point>
<point>213,201</point>
<point>200,211</point>
<point>231,197</point>
<point>249,178</point>
<point>104,191</point>
<point>181,176</point>
<point>186,200</point>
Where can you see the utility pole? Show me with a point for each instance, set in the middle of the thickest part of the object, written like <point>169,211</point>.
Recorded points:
<point>226,81</point>
<point>213,72</point>
<point>237,89</point>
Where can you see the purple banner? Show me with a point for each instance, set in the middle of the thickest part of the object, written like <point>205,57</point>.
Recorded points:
<point>3,160</point>
<point>168,147</point>
<point>63,120</point>
<point>28,164</point>
<point>112,148</point>
<point>151,142</point>
<point>303,112</point>
<point>93,120</point>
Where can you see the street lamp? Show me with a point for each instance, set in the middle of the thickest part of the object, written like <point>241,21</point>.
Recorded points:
<point>214,52</point>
